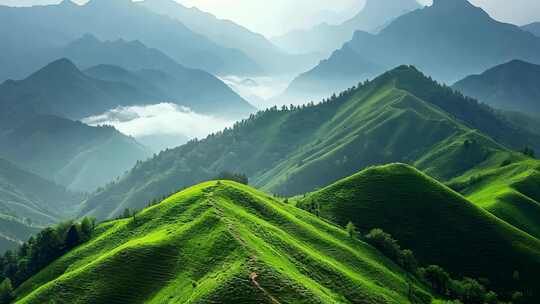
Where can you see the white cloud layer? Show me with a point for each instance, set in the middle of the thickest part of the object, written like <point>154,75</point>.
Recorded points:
<point>164,125</point>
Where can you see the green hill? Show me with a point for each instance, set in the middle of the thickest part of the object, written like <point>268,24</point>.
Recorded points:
<point>401,116</point>
<point>511,192</point>
<point>220,242</point>
<point>27,202</point>
<point>439,225</point>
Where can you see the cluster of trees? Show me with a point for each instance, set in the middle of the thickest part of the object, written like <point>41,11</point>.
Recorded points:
<point>235,177</point>
<point>464,291</point>
<point>39,251</point>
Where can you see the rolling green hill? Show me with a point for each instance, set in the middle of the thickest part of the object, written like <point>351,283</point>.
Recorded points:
<point>439,225</point>
<point>221,242</point>
<point>511,191</point>
<point>27,202</point>
<point>401,116</point>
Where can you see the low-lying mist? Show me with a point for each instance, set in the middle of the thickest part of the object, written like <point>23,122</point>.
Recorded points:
<point>160,126</point>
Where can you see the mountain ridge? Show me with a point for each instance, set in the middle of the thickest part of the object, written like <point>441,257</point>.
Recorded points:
<point>511,86</point>
<point>282,150</point>
<point>434,41</point>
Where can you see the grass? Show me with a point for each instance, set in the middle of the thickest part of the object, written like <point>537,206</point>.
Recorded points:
<point>220,242</point>
<point>439,225</point>
<point>510,190</point>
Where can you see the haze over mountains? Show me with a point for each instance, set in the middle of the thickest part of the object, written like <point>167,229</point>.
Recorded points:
<point>58,25</point>
<point>325,38</point>
<point>512,86</point>
<point>134,170</point>
<point>431,38</point>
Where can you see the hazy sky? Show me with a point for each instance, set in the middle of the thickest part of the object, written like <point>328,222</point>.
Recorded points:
<point>272,17</point>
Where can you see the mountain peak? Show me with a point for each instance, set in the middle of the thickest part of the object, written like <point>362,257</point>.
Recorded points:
<point>58,69</point>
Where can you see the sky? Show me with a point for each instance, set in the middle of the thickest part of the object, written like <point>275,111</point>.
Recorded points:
<point>275,17</point>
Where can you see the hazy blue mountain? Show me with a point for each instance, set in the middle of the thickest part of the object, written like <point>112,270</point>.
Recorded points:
<point>231,35</point>
<point>533,28</point>
<point>72,154</point>
<point>159,75</point>
<point>60,88</point>
<point>186,89</point>
<point>325,38</point>
<point>435,40</point>
<point>401,116</point>
<point>513,86</point>
<point>43,29</point>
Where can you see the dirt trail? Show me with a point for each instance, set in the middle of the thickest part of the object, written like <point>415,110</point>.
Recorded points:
<point>232,229</point>
<point>253,277</point>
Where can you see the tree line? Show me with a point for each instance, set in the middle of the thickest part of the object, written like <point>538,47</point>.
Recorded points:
<point>456,291</point>
<point>39,251</point>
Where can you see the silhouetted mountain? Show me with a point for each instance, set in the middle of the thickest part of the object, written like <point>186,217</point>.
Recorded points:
<point>513,86</point>
<point>448,40</point>
<point>325,38</point>
<point>62,89</point>
<point>231,35</point>
<point>401,116</point>
<point>533,28</point>
<point>43,29</point>
<point>70,153</point>
<point>161,77</point>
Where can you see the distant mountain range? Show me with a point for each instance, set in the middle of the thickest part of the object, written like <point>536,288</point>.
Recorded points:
<point>70,153</point>
<point>325,38</point>
<point>433,39</point>
<point>400,116</point>
<point>43,29</point>
<point>534,28</point>
<point>61,89</point>
<point>231,35</point>
<point>513,86</point>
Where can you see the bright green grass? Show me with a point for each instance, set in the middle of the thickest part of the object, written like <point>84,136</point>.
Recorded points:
<point>206,243</point>
<point>511,192</point>
<point>438,224</point>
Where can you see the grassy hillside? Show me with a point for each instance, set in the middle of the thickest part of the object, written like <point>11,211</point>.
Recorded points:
<point>221,242</point>
<point>439,225</point>
<point>401,116</point>
<point>511,191</point>
<point>27,201</point>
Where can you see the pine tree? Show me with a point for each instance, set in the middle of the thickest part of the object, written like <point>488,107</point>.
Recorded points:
<point>73,238</point>
<point>6,292</point>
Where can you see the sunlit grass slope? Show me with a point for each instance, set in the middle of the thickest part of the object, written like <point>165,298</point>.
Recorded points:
<point>221,242</point>
<point>438,224</point>
<point>508,188</point>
